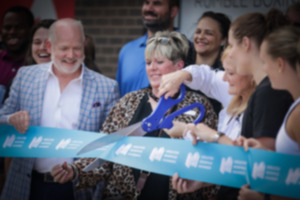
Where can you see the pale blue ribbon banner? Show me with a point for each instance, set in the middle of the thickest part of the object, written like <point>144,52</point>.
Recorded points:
<point>265,171</point>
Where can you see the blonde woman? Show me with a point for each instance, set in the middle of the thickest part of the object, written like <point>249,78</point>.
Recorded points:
<point>229,88</point>
<point>164,54</point>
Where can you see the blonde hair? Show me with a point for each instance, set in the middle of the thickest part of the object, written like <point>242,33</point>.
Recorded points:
<point>238,103</point>
<point>172,45</point>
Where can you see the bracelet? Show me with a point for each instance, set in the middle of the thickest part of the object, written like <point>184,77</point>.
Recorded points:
<point>75,174</point>
<point>217,136</point>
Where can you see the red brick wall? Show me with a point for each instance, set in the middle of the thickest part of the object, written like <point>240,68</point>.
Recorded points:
<point>111,23</point>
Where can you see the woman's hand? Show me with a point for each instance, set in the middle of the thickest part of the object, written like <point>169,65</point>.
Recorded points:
<point>246,193</point>
<point>184,185</point>
<point>62,173</point>
<point>248,143</point>
<point>177,129</point>
<point>200,131</point>
<point>170,83</point>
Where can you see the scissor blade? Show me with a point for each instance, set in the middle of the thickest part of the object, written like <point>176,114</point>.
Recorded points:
<point>132,130</point>
<point>100,142</point>
<point>96,163</point>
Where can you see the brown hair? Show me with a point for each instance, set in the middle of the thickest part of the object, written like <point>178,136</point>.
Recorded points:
<point>257,25</point>
<point>222,20</point>
<point>45,23</point>
<point>285,43</point>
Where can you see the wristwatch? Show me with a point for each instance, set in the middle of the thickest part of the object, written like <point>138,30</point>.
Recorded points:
<point>217,136</point>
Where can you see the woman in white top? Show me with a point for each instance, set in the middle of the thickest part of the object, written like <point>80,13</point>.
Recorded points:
<point>280,52</point>
<point>230,89</point>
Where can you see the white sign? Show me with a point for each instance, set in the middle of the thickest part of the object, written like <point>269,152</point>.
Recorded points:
<point>191,10</point>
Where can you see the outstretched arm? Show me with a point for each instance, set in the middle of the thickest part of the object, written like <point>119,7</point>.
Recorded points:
<point>171,82</point>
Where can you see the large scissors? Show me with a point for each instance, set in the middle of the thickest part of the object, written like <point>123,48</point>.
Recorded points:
<point>158,119</point>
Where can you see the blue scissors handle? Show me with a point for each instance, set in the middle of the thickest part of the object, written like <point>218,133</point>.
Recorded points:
<point>152,122</point>
<point>168,121</point>
<point>157,119</point>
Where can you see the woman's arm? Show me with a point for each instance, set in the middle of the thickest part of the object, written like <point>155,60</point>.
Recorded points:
<point>170,83</point>
<point>196,77</point>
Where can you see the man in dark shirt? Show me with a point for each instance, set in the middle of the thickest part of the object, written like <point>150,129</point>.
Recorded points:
<point>15,32</point>
<point>17,22</point>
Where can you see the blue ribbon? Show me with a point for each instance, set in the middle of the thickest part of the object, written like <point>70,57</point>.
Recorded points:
<point>265,171</point>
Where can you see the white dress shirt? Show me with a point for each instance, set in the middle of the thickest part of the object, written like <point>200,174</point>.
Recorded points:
<point>60,110</point>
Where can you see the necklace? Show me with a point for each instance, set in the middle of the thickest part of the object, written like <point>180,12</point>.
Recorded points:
<point>153,97</point>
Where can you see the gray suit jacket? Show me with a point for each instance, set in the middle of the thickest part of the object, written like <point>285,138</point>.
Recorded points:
<point>27,92</point>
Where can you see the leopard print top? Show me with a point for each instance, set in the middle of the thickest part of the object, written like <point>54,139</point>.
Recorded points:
<point>120,183</point>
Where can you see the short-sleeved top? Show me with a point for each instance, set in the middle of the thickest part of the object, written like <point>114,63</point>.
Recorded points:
<point>265,111</point>
<point>131,73</point>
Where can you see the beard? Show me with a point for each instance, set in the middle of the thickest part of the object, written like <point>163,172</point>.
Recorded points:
<point>59,65</point>
<point>159,24</point>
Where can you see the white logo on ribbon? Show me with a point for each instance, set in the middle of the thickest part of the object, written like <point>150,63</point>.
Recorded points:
<point>157,154</point>
<point>293,176</point>
<point>35,142</point>
<point>192,160</point>
<point>9,141</point>
<point>258,170</point>
<point>123,149</point>
<point>63,144</point>
<point>226,165</point>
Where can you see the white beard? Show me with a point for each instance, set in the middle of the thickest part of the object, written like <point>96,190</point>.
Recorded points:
<point>66,69</point>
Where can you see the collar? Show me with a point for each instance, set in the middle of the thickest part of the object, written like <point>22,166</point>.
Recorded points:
<point>143,41</point>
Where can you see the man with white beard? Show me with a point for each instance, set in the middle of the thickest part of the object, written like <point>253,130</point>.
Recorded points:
<point>62,94</point>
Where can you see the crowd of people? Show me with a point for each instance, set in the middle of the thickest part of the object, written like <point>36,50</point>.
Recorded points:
<point>244,72</point>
